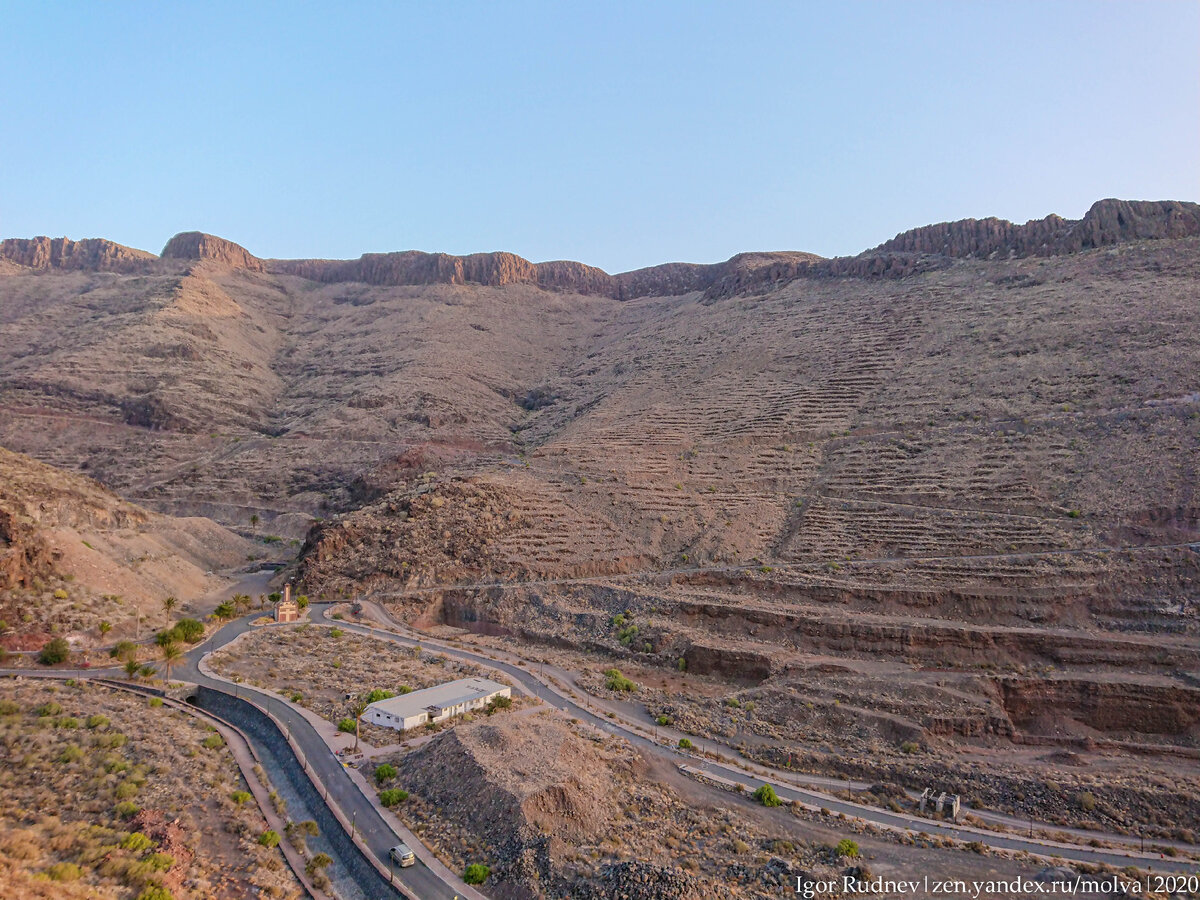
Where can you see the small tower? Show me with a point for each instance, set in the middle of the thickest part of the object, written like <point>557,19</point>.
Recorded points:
<point>287,609</point>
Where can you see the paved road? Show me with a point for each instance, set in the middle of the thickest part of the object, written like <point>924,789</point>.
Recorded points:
<point>532,685</point>
<point>419,880</point>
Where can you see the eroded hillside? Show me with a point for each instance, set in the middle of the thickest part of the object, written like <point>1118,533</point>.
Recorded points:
<point>971,450</point>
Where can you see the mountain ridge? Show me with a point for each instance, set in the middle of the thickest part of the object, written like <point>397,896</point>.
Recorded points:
<point>1106,223</point>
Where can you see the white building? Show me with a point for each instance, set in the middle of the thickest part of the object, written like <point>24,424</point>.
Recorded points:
<point>435,704</point>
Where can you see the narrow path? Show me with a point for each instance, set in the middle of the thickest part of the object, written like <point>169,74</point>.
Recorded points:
<point>1193,546</point>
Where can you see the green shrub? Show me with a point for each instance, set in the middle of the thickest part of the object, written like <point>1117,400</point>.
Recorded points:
<point>392,796</point>
<point>127,810</point>
<point>269,838</point>
<point>476,873</point>
<point>318,862</point>
<point>240,797</point>
<point>48,709</point>
<point>346,725</point>
<point>213,742</point>
<point>126,790</point>
<point>766,796</point>
<point>67,722</point>
<point>615,681</point>
<point>60,594</point>
<point>909,747</point>
<point>155,892</point>
<point>97,721</point>
<point>8,708</point>
<point>155,702</point>
<point>70,753</point>
<point>64,871</point>
<point>662,720</point>
<point>123,650</point>
<point>379,694</point>
<point>846,847</point>
<point>160,861</point>
<point>336,633</point>
<point>1087,801</point>
<point>681,665</point>
<point>685,744</point>
<point>137,842</point>
<point>498,703</point>
<point>384,772</point>
<point>55,651</point>
<point>189,631</point>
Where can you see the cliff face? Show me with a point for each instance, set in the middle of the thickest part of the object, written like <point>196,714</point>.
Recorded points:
<point>92,254</point>
<point>198,246</point>
<point>415,267</point>
<point>1107,222</point>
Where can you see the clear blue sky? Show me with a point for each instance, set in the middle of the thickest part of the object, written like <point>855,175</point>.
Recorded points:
<point>621,135</point>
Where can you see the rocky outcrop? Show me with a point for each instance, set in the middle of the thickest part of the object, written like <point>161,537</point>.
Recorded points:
<point>735,664</point>
<point>25,557</point>
<point>1107,222</point>
<point>719,279</point>
<point>91,254</point>
<point>196,245</point>
<point>634,880</point>
<point>1123,707</point>
<point>415,267</point>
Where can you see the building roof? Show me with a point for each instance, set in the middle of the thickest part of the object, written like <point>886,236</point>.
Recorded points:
<point>449,694</point>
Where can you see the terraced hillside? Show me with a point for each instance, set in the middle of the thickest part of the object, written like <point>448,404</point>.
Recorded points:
<point>970,450</point>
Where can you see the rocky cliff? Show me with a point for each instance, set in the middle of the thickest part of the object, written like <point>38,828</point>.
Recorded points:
<point>199,246</point>
<point>415,267</point>
<point>92,254</point>
<point>1107,222</point>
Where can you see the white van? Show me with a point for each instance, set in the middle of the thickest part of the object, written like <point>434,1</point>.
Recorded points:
<point>402,855</point>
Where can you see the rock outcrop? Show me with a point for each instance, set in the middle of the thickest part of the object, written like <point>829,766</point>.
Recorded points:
<point>1107,222</point>
<point>415,267</point>
<point>91,254</point>
<point>720,279</point>
<point>199,246</point>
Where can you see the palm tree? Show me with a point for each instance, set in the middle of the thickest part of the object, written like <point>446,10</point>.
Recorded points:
<point>358,707</point>
<point>171,654</point>
<point>104,628</point>
<point>242,602</point>
<point>169,604</point>
<point>132,667</point>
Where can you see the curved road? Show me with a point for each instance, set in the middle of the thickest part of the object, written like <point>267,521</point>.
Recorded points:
<point>418,880</point>
<point>531,684</point>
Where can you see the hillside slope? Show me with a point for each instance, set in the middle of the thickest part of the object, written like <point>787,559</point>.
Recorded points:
<point>73,554</point>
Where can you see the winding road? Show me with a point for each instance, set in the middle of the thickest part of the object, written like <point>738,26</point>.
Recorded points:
<point>784,783</point>
<point>337,789</point>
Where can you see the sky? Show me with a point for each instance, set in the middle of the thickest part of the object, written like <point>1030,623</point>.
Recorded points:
<point>618,134</point>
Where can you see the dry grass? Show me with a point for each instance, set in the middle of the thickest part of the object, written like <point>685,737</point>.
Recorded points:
<point>83,767</point>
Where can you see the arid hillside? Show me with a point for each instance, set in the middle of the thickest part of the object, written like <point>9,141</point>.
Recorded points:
<point>73,555</point>
<point>971,450</point>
